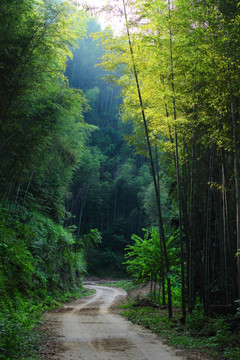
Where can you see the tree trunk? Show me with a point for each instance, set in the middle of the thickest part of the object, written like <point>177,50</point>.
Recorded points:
<point>208,233</point>
<point>161,245</point>
<point>161,228</point>
<point>237,181</point>
<point>177,169</point>
<point>225,261</point>
<point>236,168</point>
<point>191,289</point>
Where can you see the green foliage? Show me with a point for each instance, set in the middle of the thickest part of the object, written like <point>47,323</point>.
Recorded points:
<point>217,330</point>
<point>42,128</point>
<point>109,183</point>
<point>42,137</point>
<point>144,257</point>
<point>106,260</point>
<point>91,239</point>
<point>197,321</point>
<point>209,337</point>
<point>18,336</point>
<point>150,318</point>
<point>38,262</point>
<point>19,319</point>
<point>125,284</point>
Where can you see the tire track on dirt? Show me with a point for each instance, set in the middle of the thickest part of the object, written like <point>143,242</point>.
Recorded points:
<point>89,331</point>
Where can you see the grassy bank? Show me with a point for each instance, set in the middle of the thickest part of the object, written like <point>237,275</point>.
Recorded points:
<point>41,266</point>
<point>21,335</point>
<point>213,338</point>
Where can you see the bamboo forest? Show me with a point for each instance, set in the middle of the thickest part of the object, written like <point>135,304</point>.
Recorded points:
<point>120,159</point>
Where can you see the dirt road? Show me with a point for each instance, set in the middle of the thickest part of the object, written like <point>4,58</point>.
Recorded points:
<point>89,331</point>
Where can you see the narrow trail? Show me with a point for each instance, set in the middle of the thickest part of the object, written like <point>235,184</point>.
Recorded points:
<point>89,331</point>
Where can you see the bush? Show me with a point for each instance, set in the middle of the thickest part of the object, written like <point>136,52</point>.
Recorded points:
<point>205,335</point>
<point>196,322</point>
<point>18,336</point>
<point>38,262</point>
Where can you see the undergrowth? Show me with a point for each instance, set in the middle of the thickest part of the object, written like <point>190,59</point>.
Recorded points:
<point>127,285</point>
<point>210,337</point>
<point>41,266</point>
<point>20,337</point>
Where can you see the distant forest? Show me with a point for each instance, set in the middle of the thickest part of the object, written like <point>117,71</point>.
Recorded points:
<point>112,188</point>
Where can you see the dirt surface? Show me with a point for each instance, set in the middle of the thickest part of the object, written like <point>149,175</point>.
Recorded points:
<point>88,329</point>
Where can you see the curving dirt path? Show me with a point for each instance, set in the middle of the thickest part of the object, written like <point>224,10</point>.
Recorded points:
<point>89,331</point>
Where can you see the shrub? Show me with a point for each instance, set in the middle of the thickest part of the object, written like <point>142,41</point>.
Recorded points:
<point>18,336</point>
<point>38,261</point>
<point>196,322</point>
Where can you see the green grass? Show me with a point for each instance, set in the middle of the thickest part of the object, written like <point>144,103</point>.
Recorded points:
<point>127,285</point>
<point>66,297</point>
<point>210,337</point>
<point>216,341</point>
<point>19,331</point>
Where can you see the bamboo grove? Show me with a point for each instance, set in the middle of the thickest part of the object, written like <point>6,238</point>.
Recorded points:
<point>182,58</point>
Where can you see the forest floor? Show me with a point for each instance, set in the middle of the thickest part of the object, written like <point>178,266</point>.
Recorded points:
<point>91,329</point>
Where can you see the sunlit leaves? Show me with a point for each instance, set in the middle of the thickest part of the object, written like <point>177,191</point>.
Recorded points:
<point>201,33</point>
<point>143,258</point>
<point>43,131</point>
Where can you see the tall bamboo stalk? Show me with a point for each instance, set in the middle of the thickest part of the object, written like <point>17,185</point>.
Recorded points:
<point>161,245</point>
<point>236,167</point>
<point>236,176</point>
<point>225,262</point>
<point>161,228</point>
<point>208,233</point>
<point>191,289</point>
<point>177,166</point>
